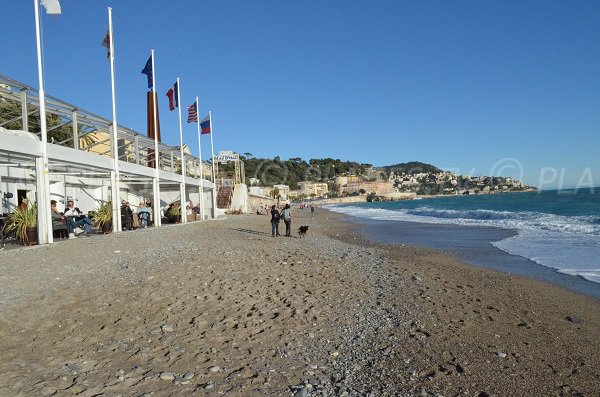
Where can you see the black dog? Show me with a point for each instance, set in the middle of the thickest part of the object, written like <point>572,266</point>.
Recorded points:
<point>302,231</point>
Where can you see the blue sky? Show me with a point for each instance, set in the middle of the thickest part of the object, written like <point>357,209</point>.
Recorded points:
<point>477,87</point>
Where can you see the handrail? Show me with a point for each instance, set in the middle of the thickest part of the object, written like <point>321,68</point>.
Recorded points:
<point>133,146</point>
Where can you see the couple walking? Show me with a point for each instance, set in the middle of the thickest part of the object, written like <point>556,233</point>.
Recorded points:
<point>276,216</point>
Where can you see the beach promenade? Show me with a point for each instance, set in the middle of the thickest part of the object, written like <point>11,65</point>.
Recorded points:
<point>222,308</point>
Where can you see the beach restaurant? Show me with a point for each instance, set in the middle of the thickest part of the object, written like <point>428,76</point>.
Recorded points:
<point>85,164</point>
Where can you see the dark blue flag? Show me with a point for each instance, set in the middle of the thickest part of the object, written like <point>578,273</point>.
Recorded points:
<point>148,71</point>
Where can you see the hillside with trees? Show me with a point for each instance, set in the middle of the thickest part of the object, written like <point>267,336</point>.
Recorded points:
<point>294,170</point>
<point>411,168</point>
<point>275,171</point>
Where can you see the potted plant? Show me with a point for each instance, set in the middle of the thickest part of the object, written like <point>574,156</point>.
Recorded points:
<point>175,214</point>
<point>23,221</point>
<point>103,217</point>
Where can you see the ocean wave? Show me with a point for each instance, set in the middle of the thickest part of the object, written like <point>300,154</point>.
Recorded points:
<point>576,255</point>
<point>522,220</point>
<point>569,244</point>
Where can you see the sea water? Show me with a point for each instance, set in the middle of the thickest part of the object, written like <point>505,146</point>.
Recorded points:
<point>558,229</point>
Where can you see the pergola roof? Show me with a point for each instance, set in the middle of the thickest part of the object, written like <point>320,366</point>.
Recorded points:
<point>20,148</point>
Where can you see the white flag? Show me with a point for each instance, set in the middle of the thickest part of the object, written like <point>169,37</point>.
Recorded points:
<point>52,7</point>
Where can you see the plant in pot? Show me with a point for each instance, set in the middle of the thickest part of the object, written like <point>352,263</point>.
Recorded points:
<point>103,217</point>
<point>23,221</point>
<point>175,214</point>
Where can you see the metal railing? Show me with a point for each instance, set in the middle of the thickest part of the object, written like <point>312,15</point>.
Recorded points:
<point>80,129</point>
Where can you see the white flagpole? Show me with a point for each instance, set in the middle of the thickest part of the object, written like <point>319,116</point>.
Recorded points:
<point>116,189</point>
<point>182,210</point>
<point>156,189</point>
<point>43,183</point>
<point>201,166</point>
<point>212,151</point>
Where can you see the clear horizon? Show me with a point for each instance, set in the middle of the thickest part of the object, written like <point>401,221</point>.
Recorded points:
<point>482,88</point>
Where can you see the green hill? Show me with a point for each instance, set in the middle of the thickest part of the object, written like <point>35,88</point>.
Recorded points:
<point>412,167</point>
<point>274,171</point>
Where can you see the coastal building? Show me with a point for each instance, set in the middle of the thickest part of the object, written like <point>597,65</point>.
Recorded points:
<point>282,191</point>
<point>345,179</point>
<point>313,189</point>
<point>260,191</point>
<point>368,187</point>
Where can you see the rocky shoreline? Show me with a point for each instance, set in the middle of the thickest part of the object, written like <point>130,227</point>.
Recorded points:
<point>222,308</point>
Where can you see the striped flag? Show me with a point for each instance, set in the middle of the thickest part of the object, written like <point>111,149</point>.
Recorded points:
<point>192,113</point>
<point>205,125</point>
<point>173,95</point>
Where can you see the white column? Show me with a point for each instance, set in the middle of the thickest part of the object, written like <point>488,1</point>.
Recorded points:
<point>201,190</point>
<point>182,194</point>
<point>156,181</point>
<point>44,221</point>
<point>115,182</point>
<point>24,111</point>
<point>75,130</point>
<point>156,202</point>
<point>212,151</point>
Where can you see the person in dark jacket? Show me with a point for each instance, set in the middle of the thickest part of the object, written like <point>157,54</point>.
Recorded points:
<point>275,218</point>
<point>126,216</point>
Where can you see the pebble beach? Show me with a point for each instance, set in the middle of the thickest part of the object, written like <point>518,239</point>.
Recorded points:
<point>222,308</point>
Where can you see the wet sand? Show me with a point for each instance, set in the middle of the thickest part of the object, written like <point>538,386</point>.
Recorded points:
<point>222,308</point>
<point>472,245</point>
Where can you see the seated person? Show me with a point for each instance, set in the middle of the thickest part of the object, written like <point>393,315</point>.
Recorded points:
<point>169,210</point>
<point>144,214</point>
<point>58,219</point>
<point>168,213</point>
<point>149,207</point>
<point>78,218</point>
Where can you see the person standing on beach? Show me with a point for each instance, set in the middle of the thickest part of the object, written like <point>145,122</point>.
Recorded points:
<point>312,211</point>
<point>287,219</point>
<point>275,217</point>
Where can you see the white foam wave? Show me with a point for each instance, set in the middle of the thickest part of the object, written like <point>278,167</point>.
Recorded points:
<point>569,244</point>
<point>503,219</point>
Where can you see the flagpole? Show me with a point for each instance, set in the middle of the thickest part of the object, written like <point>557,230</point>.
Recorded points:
<point>212,151</point>
<point>201,166</point>
<point>116,189</point>
<point>156,186</point>
<point>182,188</point>
<point>42,170</point>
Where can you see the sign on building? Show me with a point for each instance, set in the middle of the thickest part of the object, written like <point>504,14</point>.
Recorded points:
<point>225,156</point>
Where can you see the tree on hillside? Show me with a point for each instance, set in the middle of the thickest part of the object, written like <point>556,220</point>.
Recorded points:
<point>275,193</point>
<point>333,189</point>
<point>59,131</point>
<point>295,169</point>
<point>411,168</point>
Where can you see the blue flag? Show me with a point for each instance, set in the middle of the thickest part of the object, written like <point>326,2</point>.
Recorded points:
<point>148,71</point>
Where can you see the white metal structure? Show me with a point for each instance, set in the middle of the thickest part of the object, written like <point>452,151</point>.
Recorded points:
<point>84,158</point>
